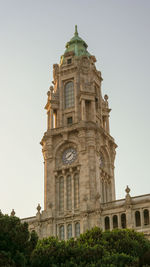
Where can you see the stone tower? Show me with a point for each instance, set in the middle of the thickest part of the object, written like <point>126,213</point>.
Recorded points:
<point>78,149</point>
<point>79,154</point>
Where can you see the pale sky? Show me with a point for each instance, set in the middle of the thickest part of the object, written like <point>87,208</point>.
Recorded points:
<point>33,34</point>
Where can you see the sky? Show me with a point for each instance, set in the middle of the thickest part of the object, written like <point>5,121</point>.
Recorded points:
<point>33,34</point>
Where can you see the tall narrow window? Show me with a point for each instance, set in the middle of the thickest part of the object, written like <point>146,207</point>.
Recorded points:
<point>77,229</point>
<point>137,218</point>
<point>69,193</point>
<point>146,217</point>
<point>69,95</point>
<point>107,223</point>
<point>76,191</point>
<point>61,232</point>
<point>115,221</point>
<point>88,110</point>
<point>123,220</point>
<point>61,193</point>
<point>69,231</point>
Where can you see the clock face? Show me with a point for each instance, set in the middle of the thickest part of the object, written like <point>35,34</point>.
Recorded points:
<point>69,155</point>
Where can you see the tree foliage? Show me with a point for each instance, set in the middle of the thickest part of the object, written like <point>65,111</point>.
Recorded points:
<point>117,248</point>
<point>16,243</point>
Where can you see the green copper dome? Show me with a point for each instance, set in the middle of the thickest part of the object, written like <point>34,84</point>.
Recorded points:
<point>77,45</point>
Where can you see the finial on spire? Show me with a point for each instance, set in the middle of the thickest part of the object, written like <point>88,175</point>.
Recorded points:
<point>76,31</point>
<point>127,189</point>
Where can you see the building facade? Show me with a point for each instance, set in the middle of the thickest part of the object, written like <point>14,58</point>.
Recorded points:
<point>79,155</point>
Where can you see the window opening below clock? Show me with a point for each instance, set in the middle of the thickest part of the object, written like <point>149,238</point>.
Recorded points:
<point>69,120</point>
<point>69,61</point>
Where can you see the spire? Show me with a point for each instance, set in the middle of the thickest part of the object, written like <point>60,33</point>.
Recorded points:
<point>76,45</point>
<point>76,31</point>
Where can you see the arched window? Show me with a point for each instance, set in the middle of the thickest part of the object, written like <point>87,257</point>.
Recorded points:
<point>77,229</point>
<point>61,193</point>
<point>69,95</point>
<point>69,231</point>
<point>146,217</point>
<point>69,193</point>
<point>115,221</point>
<point>137,219</point>
<point>76,191</point>
<point>123,220</point>
<point>61,232</point>
<point>107,223</point>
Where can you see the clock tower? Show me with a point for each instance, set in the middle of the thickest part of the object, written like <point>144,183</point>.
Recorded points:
<point>77,147</point>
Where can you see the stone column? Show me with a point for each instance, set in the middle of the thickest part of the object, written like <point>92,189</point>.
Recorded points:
<point>49,229</point>
<point>107,124</point>
<point>129,218</point>
<point>142,218</point>
<point>102,191</point>
<point>81,226</point>
<point>72,183</point>
<point>85,223</point>
<point>55,229</point>
<point>57,194</point>
<point>65,192</point>
<point>65,229</point>
<point>103,223</point>
<point>111,224</point>
<point>51,118</point>
<point>119,221</point>
<point>73,229</point>
<point>93,111</point>
<point>134,221</point>
<point>83,111</point>
<point>61,97</point>
<point>45,182</point>
<point>105,191</point>
<point>48,119</point>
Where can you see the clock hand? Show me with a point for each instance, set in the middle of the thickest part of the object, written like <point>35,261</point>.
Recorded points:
<point>69,155</point>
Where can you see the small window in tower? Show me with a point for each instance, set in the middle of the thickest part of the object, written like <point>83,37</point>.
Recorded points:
<point>69,61</point>
<point>69,120</point>
<point>96,103</point>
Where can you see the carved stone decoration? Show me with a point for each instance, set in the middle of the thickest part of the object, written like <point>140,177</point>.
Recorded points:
<point>13,213</point>
<point>55,72</point>
<point>128,200</point>
<point>97,196</point>
<point>127,190</point>
<point>38,208</point>
<point>85,65</point>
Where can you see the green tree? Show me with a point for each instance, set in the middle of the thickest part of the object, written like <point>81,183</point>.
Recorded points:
<point>16,243</point>
<point>117,248</point>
